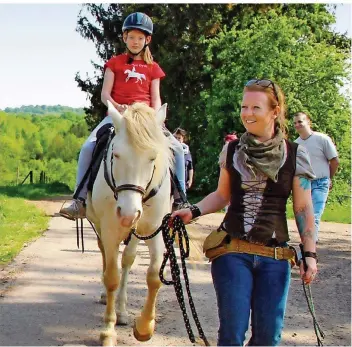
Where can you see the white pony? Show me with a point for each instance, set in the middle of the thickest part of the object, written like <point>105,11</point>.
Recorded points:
<point>136,167</point>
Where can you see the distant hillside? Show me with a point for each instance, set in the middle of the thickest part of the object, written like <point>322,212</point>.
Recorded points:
<point>43,109</point>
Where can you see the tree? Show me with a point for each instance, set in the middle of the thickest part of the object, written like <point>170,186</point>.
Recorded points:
<point>287,50</point>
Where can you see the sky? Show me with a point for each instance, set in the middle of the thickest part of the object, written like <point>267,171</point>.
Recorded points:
<point>40,53</point>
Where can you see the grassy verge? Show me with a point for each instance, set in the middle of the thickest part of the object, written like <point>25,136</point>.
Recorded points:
<point>35,191</point>
<point>21,222</point>
<point>333,212</point>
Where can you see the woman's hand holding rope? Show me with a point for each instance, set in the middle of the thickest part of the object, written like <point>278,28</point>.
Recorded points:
<point>185,214</point>
<point>308,275</point>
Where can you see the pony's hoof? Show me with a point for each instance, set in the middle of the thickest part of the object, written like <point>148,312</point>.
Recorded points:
<point>102,299</point>
<point>122,319</point>
<point>108,340</point>
<point>140,337</point>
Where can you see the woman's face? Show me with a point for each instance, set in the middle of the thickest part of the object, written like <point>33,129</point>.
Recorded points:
<point>257,116</point>
<point>135,40</point>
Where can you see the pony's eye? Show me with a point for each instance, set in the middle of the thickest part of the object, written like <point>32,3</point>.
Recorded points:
<point>152,159</point>
<point>116,156</point>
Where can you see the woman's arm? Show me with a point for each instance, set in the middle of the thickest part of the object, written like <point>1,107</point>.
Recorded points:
<point>155,100</point>
<point>304,215</point>
<point>213,202</point>
<point>108,83</point>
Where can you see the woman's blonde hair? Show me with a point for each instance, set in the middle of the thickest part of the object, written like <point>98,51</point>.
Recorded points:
<point>146,53</point>
<point>276,98</point>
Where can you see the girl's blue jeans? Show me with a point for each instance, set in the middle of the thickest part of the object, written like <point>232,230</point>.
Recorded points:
<point>320,191</point>
<point>85,158</point>
<point>245,284</point>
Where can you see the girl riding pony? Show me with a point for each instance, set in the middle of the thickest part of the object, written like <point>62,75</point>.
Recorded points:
<point>130,77</point>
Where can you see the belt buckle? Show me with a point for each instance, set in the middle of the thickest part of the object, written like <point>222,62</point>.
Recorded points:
<point>275,253</point>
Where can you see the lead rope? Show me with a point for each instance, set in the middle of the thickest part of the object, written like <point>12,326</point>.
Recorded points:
<point>179,227</point>
<point>318,332</point>
<point>309,297</point>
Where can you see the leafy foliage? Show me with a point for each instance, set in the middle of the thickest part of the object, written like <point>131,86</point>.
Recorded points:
<point>49,143</point>
<point>43,109</point>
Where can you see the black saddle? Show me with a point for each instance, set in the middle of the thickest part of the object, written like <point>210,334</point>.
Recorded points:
<point>106,132</point>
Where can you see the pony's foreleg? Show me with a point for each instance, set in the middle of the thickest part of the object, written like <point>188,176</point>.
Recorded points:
<point>103,293</point>
<point>111,282</point>
<point>128,257</point>
<point>145,324</point>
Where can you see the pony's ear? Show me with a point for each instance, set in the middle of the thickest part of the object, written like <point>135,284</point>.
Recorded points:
<point>115,115</point>
<point>161,114</point>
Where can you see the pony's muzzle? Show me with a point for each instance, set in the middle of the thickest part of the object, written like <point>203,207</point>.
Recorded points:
<point>129,219</point>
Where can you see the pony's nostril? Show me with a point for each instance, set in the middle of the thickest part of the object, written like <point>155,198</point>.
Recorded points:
<point>118,211</point>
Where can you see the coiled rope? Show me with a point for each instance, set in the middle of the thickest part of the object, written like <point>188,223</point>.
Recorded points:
<point>169,238</point>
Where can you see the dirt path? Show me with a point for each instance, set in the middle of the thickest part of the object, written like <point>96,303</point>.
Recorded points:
<point>49,294</point>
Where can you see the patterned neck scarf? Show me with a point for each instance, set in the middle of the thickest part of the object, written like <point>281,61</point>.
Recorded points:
<point>263,156</point>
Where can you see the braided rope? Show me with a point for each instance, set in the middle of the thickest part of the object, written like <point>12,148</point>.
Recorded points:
<point>309,297</point>
<point>170,255</point>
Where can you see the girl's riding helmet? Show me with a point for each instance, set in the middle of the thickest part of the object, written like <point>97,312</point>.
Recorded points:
<point>139,21</point>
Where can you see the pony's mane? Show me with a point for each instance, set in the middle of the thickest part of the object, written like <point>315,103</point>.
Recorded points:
<point>144,133</point>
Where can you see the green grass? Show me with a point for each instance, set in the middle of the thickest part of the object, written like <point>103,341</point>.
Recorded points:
<point>20,223</point>
<point>334,212</point>
<point>36,191</point>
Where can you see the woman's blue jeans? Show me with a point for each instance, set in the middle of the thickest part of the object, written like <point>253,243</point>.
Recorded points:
<point>320,191</point>
<point>245,284</point>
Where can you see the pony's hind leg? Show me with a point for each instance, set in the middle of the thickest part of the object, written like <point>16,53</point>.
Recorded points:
<point>111,282</point>
<point>145,324</point>
<point>128,257</point>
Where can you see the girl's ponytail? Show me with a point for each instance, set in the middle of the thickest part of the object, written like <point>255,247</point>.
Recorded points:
<point>147,56</point>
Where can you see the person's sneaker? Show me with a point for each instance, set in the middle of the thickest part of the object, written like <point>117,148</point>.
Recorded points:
<point>74,211</point>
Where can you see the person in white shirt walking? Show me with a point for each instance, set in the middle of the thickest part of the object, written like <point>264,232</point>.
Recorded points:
<point>324,160</point>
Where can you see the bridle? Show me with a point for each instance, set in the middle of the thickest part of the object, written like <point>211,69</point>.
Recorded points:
<point>110,180</point>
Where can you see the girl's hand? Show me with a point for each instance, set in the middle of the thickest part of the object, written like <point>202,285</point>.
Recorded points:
<point>121,107</point>
<point>308,276</point>
<point>185,214</point>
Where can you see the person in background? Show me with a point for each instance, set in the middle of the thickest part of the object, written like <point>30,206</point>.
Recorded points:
<point>324,159</point>
<point>181,135</point>
<point>128,78</point>
<point>251,260</point>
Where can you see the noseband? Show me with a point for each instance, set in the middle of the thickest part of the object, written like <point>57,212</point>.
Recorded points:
<point>110,180</point>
